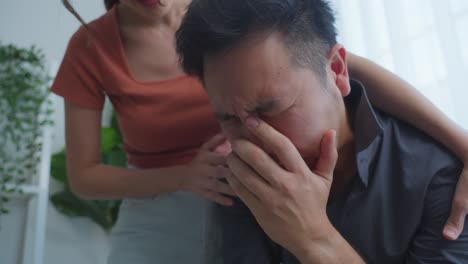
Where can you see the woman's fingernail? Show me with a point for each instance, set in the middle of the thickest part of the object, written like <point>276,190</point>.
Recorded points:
<point>252,122</point>
<point>450,233</point>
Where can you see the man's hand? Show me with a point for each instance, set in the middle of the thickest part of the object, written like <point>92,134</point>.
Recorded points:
<point>288,201</point>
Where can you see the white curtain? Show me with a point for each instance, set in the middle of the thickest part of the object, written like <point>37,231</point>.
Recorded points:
<point>423,41</point>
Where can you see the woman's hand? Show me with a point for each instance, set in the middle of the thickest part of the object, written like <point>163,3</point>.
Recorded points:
<point>203,175</point>
<point>456,221</point>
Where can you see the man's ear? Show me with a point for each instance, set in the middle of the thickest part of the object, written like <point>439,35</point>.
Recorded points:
<point>337,60</point>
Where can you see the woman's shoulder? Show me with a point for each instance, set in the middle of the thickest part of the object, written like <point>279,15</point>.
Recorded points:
<point>98,32</point>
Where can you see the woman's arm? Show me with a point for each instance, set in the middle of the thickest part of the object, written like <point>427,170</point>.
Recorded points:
<point>90,179</point>
<point>393,95</point>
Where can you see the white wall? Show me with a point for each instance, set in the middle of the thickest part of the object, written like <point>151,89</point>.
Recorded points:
<point>48,25</point>
<point>424,41</point>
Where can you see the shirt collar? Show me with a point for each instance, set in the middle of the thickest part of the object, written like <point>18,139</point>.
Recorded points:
<point>367,129</point>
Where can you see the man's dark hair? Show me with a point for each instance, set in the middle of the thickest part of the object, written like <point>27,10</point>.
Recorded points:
<point>213,26</point>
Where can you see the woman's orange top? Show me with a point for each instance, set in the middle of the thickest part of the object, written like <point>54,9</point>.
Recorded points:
<point>163,122</point>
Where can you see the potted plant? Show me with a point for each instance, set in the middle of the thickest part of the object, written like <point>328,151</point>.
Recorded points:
<point>24,111</point>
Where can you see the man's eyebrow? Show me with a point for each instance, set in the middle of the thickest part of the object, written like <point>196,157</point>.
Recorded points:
<point>262,106</point>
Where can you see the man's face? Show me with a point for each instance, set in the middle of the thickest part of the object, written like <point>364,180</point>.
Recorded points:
<point>258,78</point>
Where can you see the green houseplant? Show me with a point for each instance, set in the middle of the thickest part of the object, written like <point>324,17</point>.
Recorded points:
<point>24,110</point>
<point>104,213</point>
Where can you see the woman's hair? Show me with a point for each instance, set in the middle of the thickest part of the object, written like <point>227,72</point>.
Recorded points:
<point>110,3</point>
<point>107,3</point>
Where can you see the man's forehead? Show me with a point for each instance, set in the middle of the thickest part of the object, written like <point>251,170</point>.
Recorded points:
<point>241,107</point>
<point>258,53</point>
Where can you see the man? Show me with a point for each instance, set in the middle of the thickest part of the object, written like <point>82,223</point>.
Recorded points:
<point>378,190</point>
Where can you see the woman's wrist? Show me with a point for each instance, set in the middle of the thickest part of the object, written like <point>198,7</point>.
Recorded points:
<point>459,143</point>
<point>464,148</point>
<point>181,174</point>
<point>169,179</point>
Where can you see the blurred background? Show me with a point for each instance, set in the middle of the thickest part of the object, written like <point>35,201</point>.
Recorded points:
<point>423,41</point>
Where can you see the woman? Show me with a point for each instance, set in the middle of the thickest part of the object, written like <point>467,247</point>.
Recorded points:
<point>129,56</point>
